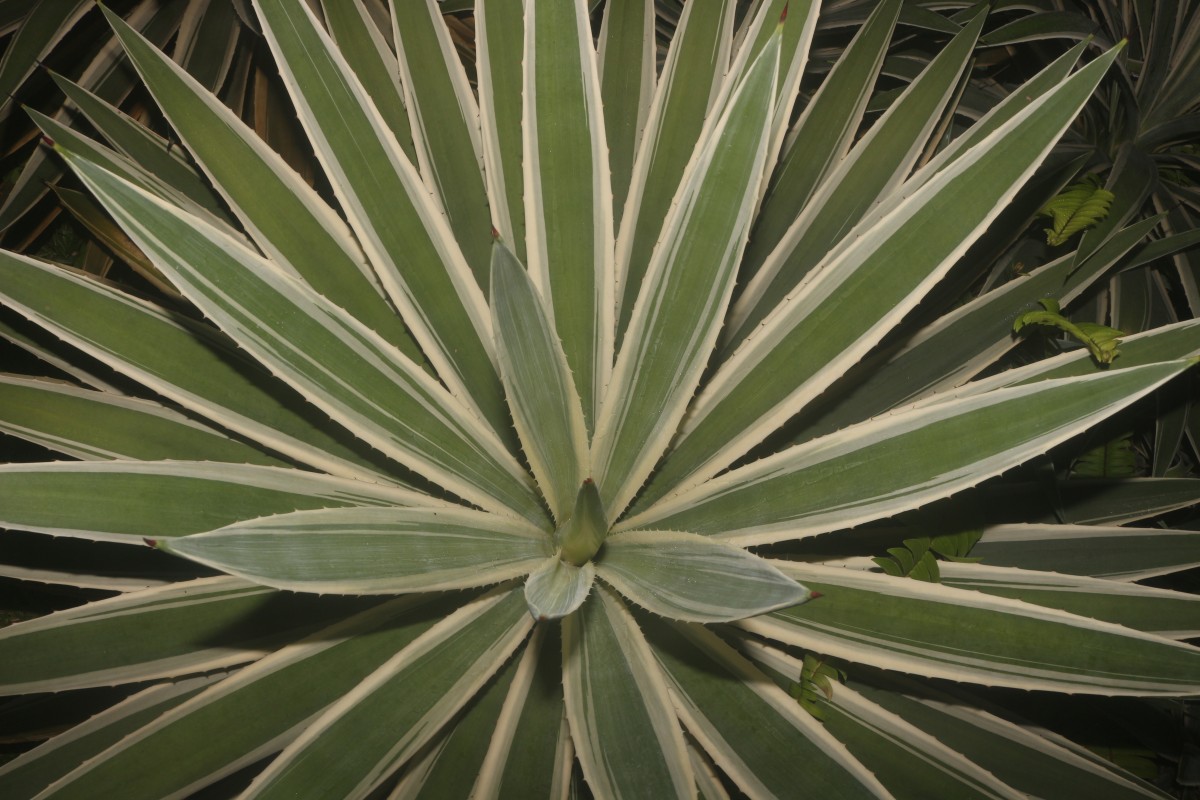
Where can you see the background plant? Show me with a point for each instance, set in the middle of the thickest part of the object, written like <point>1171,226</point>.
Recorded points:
<point>839,394</point>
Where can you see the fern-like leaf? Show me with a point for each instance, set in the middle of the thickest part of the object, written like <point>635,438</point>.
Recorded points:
<point>913,560</point>
<point>1076,209</point>
<point>1113,459</point>
<point>917,559</point>
<point>817,678</point>
<point>1100,340</point>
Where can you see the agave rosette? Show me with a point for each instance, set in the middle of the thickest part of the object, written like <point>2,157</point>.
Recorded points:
<point>478,437</point>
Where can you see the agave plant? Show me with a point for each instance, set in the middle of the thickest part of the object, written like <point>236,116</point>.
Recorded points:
<point>468,463</point>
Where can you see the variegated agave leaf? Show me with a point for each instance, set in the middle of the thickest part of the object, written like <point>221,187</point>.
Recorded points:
<point>480,504</point>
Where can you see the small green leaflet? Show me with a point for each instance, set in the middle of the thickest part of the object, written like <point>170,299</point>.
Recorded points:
<point>917,559</point>
<point>816,681</point>
<point>1100,340</point>
<point>1077,208</point>
<point>1113,459</point>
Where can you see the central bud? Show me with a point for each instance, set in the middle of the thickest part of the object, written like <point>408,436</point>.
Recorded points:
<point>581,534</point>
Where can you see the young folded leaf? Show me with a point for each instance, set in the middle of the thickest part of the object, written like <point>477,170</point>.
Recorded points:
<point>556,588</point>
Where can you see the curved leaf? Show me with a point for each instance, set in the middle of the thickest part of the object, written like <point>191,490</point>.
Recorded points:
<point>556,588</point>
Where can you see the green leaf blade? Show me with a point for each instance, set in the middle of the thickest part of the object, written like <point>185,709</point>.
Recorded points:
<point>626,58</point>
<point>163,632</point>
<point>381,723</point>
<point>1034,762</point>
<point>93,425</point>
<point>935,451</point>
<point>309,674</point>
<point>531,752</point>
<point>877,165</point>
<point>90,500</point>
<point>1100,551</point>
<point>546,407</point>
<point>500,47</point>
<point>370,550</point>
<point>686,291</point>
<point>866,286</point>
<point>685,95</point>
<point>333,359</point>
<point>752,729</point>
<point>568,191</point>
<point>823,133</point>
<point>687,577</point>
<point>36,769</point>
<point>934,630</point>
<point>400,228</point>
<point>371,58</point>
<point>445,124</point>
<point>626,735</point>
<point>285,216</point>
<point>1171,614</point>
<point>188,363</point>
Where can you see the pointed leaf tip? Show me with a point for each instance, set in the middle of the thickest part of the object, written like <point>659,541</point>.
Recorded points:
<point>581,535</point>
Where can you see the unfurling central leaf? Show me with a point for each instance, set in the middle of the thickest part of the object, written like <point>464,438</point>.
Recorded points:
<point>581,534</point>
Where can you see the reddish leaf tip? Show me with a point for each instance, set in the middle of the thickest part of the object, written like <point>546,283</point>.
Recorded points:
<point>814,595</point>
<point>46,140</point>
<point>495,233</point>
<point>783,16</point>
<point>150,542</point>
